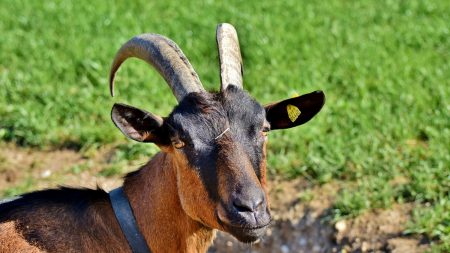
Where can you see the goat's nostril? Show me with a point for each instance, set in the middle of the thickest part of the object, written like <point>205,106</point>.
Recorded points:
<point>259,204</point>
<point>248,205</point>
<point>243,206</point>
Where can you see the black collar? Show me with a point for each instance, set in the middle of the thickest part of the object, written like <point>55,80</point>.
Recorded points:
<point>127,222</point>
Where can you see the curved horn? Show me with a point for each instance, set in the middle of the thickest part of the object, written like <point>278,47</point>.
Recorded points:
<point>229,56</point>
<point>164,55</point>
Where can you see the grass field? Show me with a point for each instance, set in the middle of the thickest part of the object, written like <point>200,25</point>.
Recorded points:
<point>384,66</point>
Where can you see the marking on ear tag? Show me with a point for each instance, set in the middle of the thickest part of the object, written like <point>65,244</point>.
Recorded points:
<point>293,112</point>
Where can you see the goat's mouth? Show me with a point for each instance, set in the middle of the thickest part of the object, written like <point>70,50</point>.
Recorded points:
<point>246,234</point>
<point>243,231</point>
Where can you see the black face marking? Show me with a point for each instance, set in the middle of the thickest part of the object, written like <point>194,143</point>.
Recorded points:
<point>201,117</point>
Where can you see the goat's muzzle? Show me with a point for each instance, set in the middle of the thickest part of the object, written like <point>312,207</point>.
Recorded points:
<point>247,215</point>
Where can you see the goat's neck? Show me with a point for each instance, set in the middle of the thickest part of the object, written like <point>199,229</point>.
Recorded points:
<point>153,195</point>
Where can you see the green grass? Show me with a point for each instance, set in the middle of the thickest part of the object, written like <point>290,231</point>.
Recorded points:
<point>384,66</point>
<point>434,222</point>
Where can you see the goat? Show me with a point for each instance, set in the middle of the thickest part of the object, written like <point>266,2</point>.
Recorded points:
<point>210,174</point>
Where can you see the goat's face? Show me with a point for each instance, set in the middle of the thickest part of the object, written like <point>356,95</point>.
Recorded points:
<point>217,141</point>
<point>220,141</point>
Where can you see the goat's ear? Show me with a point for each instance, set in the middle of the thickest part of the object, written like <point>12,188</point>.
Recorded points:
<point>294,111</point>
<point>138,124</point>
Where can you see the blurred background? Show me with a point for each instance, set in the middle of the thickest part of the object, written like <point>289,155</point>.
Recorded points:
<point>370,173</point>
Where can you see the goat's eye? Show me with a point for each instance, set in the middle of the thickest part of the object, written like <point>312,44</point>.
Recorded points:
<point>265,130</point>
<point>178,144</point>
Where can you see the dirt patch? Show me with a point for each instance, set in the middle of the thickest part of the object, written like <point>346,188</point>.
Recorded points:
<point>380,230</point>
<point>300,209</point>
<point>31,169</point>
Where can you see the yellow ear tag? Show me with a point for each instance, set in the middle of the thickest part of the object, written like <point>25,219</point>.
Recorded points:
<point>293,112</point>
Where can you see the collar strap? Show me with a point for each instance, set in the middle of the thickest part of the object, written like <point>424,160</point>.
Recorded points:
<point>125,217</point>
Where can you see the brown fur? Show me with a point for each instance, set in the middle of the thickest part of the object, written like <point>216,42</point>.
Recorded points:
<point>12,240</point>
<point>263,168</point>
<point>167,210</point>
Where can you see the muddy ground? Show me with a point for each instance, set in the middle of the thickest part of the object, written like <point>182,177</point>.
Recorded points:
<point>301,224</point>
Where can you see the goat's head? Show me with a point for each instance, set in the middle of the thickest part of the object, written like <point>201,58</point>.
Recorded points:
<point>217,139</point>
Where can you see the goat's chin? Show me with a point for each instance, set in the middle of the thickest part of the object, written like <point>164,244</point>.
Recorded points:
<point>247,235</point>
